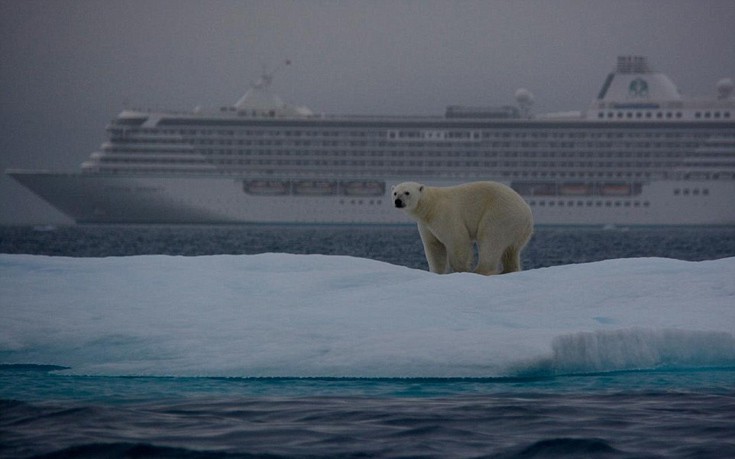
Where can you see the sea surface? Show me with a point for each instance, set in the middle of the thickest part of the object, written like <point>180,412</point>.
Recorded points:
<point>657,413</point>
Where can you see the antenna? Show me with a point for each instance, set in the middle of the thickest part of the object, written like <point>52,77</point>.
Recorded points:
<point>258,94</point>
<point>266,78</point>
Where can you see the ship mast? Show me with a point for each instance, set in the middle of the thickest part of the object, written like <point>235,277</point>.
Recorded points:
<point>266,78</point>
<point>258,100</point>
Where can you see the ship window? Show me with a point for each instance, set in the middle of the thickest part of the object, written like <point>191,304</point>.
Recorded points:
<point>727,114</point>
<point>698,115</point>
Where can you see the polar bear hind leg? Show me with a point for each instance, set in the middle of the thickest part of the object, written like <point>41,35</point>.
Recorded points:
<point>511,260</point>
<point>512,254</point>
<point>498,248</point>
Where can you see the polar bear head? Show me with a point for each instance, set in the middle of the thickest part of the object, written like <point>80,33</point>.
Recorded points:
<point>406,195</point>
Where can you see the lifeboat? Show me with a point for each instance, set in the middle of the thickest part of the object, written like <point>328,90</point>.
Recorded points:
<point>266,187</point>
<point>363,188</point>
<point>315,188</point>
<point>575,189</point>
<point>615,189</point>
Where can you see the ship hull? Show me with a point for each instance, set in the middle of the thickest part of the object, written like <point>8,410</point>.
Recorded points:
<point>91,198</point>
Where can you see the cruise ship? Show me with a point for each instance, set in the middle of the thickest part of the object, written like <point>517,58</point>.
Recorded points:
<point>641,154</point>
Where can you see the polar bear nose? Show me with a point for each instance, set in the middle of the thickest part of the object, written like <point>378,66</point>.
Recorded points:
<point>398,203</point>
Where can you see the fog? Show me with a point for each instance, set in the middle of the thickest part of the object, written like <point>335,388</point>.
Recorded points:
<point>68,67</point>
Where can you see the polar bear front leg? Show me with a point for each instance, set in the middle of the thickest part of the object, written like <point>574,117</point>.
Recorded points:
<point>459,250</point>
<point>436,253</point>
<point>489,255</point>
<point>460,256</point>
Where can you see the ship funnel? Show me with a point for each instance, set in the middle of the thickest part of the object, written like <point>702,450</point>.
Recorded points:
<point>634,83</point>
<point>724,88</point>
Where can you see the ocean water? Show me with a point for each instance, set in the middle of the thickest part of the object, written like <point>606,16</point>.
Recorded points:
<point>105,391</point>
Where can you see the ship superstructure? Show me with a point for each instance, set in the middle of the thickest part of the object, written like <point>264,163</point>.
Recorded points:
<point>640,154</point>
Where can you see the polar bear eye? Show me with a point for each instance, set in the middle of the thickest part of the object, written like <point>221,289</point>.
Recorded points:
<point>407,193</point>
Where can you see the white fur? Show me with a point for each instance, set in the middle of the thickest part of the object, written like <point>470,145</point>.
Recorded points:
<point>451,219</point>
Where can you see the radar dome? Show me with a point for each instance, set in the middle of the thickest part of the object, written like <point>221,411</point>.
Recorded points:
<point>524,96</point>
<point>724,88</point>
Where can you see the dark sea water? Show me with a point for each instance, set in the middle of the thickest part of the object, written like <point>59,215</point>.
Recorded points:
<point>649,413</point>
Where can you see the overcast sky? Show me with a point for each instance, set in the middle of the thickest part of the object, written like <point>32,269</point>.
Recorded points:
<point>68,67</point>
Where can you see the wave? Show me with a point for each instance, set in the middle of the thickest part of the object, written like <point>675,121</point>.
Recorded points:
<point>138,451</point>
<point>635,349</point>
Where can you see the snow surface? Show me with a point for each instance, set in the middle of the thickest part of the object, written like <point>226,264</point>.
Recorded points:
<point>313,315</point>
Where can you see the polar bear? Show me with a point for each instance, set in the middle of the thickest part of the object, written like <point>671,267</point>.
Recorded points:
<point>451,219</point>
